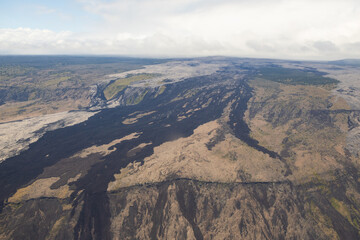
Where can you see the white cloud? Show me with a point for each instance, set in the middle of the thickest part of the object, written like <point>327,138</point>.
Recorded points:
<point>308,29</point>
<point>325,46</point>
<point>38,41</point>
<point>31,41</point>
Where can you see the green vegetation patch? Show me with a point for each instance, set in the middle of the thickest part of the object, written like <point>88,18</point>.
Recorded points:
<point>161,90</point>
<point>341,208</point>
<point>137,99</point>
<point>118,85</point>
<point>295,76</point>
<point>54,80</point>
<point>350,213</point>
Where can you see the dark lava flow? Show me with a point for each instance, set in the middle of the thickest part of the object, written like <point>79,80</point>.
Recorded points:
<point>106,126</point>
<point>242,130</point>
<point>95,212</point>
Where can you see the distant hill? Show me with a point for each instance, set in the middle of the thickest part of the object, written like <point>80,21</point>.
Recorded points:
<point>351,62</point>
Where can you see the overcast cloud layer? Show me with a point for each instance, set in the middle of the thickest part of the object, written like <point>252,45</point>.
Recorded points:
<point>306,29</point>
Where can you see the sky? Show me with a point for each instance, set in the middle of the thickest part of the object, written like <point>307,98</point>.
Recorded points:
<point>282,29</point>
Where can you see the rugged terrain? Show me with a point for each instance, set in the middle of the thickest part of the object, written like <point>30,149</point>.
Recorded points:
<point>37,85</point>
<point>209,148</point>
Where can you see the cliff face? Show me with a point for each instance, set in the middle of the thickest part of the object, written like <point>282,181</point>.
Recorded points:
<point>186,209</point>
<point>231,155</point>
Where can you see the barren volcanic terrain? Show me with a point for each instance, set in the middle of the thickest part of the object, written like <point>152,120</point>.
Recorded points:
<point>203,148</point>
